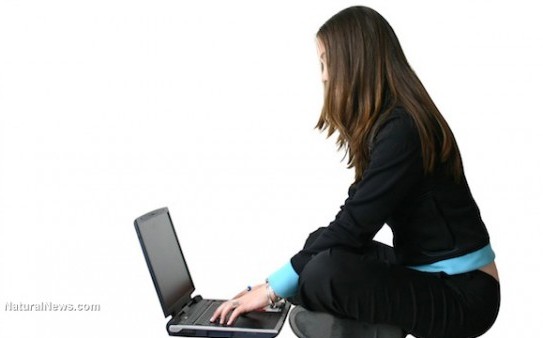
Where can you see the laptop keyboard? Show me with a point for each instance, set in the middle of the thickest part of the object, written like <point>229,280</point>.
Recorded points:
<point>201,313</point>
<point>206,315</point>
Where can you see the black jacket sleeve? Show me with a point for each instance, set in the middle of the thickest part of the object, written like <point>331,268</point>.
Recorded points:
<point>395,167</point>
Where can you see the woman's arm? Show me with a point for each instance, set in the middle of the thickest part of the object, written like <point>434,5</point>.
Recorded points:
<point>395,167</point>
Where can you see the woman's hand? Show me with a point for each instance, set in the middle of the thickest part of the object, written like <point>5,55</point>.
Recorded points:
<point>243,302</point>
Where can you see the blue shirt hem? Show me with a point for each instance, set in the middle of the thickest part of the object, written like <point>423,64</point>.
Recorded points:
<point>468,262</point>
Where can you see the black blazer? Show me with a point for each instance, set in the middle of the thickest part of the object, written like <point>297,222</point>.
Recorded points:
<point>431,216</point>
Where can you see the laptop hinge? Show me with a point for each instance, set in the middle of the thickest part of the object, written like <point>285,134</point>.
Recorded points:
<point>192,301</point>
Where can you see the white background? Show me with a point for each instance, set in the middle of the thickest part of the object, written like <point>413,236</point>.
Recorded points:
<point>110,109</point>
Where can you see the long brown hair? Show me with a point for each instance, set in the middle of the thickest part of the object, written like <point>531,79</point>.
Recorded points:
<point>368,75</point>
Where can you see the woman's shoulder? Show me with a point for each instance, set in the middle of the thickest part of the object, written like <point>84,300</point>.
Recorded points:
<point>397,123</point>
<point>399,115</point>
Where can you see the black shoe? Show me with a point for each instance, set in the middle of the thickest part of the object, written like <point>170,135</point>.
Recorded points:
<point>308,324</point>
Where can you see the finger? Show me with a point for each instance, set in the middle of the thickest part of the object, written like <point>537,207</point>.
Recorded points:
<point>225,311</point>
<point>216,313</point>
<point>221,313</point>
<point>234,315</point>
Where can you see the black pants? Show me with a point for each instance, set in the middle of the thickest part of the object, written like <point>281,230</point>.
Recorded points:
<point>370,286</point>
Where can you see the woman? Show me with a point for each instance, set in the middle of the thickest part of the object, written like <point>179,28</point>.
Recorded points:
<point>440,279</point>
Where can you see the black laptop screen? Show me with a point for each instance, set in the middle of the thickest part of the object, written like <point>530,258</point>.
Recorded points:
<point>164,258</point>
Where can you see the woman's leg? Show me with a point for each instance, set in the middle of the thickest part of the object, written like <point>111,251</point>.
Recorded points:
<point>370,287</point>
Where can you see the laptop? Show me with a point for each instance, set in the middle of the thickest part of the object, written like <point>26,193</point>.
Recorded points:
<point>190,314</point>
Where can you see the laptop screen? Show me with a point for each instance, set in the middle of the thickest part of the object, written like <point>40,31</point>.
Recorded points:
<point>164,259</point>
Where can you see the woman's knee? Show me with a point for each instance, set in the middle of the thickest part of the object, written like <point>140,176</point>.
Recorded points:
<point>337,271</point>
<point>315,281</point>
<point>313,236</point>
<point>319,268</point>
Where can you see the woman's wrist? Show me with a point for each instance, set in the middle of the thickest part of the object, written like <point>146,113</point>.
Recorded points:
<point>273,298</point>
<point>284,281</point>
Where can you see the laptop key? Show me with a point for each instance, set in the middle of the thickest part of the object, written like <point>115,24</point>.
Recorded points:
<point>206,316</point>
